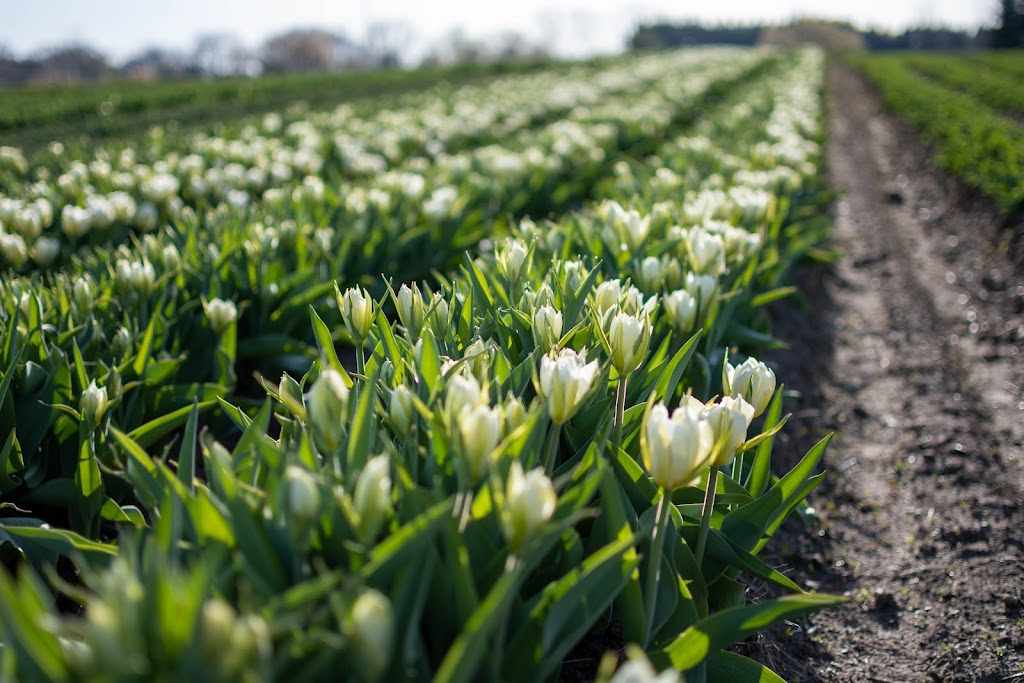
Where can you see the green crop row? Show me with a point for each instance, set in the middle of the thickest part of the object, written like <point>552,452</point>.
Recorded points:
<point>991,88</point>
<point>1008,62</point>
<point>554,442</point>
<point>32,116</point>
<point>977,144</point>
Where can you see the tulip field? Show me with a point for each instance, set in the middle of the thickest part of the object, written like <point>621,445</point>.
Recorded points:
<point>460,384</point>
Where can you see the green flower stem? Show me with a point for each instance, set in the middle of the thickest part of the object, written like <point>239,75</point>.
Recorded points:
<point>360,370</point>
<point>410,451</point>
<point>620,410</point>
<point>466,512</point>
<point>511,565</point>
<point>551,450</point>
<point>705,520</point>
<point>661,516</point>
<point>360,361</point>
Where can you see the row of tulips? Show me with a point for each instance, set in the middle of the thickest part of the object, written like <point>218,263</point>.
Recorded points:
<point>156,331</point>
<point>419,153</point>
<point>540,450</point>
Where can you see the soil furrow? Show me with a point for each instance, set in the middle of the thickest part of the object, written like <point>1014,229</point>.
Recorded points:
<point>922,522</point>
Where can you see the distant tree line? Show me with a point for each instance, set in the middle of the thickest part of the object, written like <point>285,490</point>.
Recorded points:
<point>1007,33</point>
<point>300,50</point>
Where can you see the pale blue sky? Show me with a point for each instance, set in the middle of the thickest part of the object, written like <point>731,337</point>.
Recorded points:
<point>121,27</point>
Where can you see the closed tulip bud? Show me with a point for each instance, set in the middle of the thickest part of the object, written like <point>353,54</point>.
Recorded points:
<point>290,393</point>
<point>752,380</point>
<point>545,296</point>
<point>26,303</point>
<point>114,385</point>
<point>160,187</point>
<point>121,342</point>
<point>707,252</point>
<point>437,317</point>
<point>221,314</point>
<point>75,221</point>
<point>151,245</point>
<point>170,257</point>
<point>635,229</point>
<point>371,629</point>
<point>729,419</point>
<point>511,259</point>
<point>146,216</point>
<point>250,639</point>
<point>703,288</point>
<point>676,449</point>
<point>528,301</point>
<point>302,495</point>
<point>634,303</point>
<point>45,251</point>
<point>94,402</point>
<point>463,392</point>
<point>44,209</point>
<point>480,431</point>
<point>572,275</point>
<point>651,274</point>
<point>478,358</point>
<point>327,405</point>
<point>372,497</point>
<point>137,276</point>
<point>217,625</point>
<point>547,328</point>
<point>530,501</point>
<point>565,382</point>
<point>402,411</point>
<point>672,272</point>
<point>607,295</point>
<point>82,295</point>
<point>628,339</point>
<point>681,308</point>
<point>515,414</point>
<point>357,312</point>
<point>13,248</point>
<point>411,310</point>
<point>28,224</point>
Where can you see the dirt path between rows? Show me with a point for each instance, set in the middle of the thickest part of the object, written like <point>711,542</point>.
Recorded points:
<point>913,351</point>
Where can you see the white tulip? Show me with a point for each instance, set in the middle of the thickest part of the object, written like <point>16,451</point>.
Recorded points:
<point>371,629</point>
<point>301,493</point>
<point>402,411</point>
<point>681,308</point>
<point>752,380</point>
<point>411,309</point>
<point>327,405</point>
<point>372,497</point>
<point>676,449</point>
<point>511,259</point>
<point>565,381</point>
<point>729,419</point>
<point>45,251</point>
<point>530,501</point>
<point>628,339</point>
<point>221,314</point>
<point>547,328</point>
<point>94,402</point>
<point>357,312</point>
<point>480,431</point>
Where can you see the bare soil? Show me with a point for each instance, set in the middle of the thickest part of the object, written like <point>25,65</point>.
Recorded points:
<point>911,349</point>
